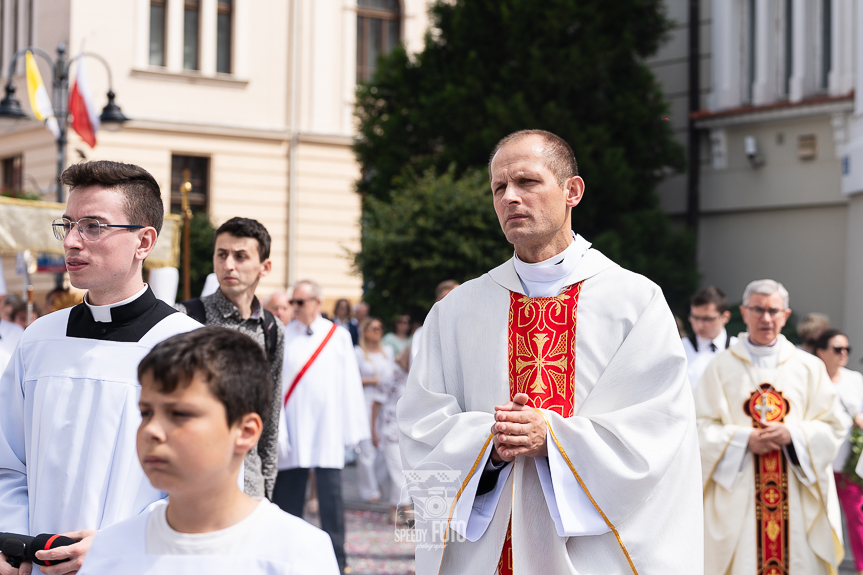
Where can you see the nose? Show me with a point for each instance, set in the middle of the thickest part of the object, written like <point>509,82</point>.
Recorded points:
<point>152,430</point>
<point>510,194</point>
<point>73,240</point>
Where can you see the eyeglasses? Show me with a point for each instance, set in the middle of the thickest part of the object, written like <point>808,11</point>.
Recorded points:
<point>703,319</point>
<point>300,302</point>
<point>374,328</point>
<point>88,228</point>
<point>841,350</point>
<point>760,311</point>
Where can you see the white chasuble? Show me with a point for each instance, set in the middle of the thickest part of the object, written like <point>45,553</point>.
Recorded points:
<point>619,491</point>
<point>774,513</point>
<point>69,416</point>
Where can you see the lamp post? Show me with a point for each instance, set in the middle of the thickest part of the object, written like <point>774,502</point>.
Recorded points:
<point>10,107</point>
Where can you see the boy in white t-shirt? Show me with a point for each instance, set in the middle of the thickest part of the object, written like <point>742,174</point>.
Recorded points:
<point>203,397</point>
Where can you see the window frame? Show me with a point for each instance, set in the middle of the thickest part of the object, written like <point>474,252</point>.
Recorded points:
<point>364,68</point>
<point>192,6</point>
<point>164,5</point>
<point>222,9</point>
<point>198,201</point>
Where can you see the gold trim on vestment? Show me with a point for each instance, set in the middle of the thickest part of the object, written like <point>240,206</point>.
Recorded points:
<point>589,496</point>
<point>458,495</point>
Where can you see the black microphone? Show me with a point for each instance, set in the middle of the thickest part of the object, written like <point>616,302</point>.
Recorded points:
<point>18,548</point>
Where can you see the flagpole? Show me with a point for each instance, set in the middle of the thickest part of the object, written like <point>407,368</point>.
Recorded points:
<point>61,97</point>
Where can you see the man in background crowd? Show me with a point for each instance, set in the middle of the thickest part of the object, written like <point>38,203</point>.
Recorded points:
<point>324,412</point>
<point>278,305</point>
<point>708,316</point>
<point>809,328</point>
<point>241,257</point>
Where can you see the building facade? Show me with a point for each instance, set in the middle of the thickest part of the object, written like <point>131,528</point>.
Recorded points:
<point>779,159</point>
<point>253,97</point>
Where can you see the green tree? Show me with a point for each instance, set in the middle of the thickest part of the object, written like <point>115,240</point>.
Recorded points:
<point>576,68</point>
<point>435,228</point>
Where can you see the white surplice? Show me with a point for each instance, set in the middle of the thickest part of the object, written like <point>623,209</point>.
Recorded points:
<point>327,410</point>
<point>268,542</point>
<point>69,416</point>
<point>817,425</point>
<point>631,440</point>
<point>10,333</point>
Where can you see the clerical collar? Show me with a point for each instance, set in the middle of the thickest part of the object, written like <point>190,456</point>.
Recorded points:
<point>756,350</point>
<point>548,277</point>
<point>102,313</point>
<point>130,321</point>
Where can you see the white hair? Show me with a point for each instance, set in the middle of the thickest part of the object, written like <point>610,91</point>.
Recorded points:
<point>765,287</point>
<point>314,287</point>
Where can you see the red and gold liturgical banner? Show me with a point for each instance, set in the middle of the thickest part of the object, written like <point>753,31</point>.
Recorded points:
<point>771,486</point>
<point>541,362</point>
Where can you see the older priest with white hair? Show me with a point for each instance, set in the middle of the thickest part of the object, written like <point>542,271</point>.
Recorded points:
<point>552,393</point>
<point>769,425</point>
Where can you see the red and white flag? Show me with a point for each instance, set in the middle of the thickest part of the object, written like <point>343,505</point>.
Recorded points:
<point>85,120</point>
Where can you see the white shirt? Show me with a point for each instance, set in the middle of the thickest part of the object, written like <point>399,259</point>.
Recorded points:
<point>850,389</point>
<point>548,277</point>
<point>697,360</point>
<point>267,541</point>
<point>10,333</point>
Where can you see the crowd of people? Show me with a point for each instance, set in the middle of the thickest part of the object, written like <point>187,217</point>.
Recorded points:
<point>176,439</point>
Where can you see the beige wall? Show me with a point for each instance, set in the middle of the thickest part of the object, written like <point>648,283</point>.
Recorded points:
<point>802,248</point>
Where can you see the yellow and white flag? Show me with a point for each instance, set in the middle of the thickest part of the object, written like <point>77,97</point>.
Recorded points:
<point>40,103</point>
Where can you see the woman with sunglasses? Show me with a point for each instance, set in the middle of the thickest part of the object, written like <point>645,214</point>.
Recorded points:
<point>833,349</point>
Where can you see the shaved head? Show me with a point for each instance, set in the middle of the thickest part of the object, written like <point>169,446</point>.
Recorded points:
<point>557,154</point>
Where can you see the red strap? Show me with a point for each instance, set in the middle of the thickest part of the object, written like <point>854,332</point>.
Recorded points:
<point>309,363</point>
<point>48,546</point>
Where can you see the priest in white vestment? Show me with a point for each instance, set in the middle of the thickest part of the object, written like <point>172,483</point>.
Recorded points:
<point>769,425</point>
<point>547,425</point>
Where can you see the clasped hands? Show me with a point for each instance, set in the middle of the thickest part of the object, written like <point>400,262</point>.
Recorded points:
<point>770,438</point>
<point>518,430</point>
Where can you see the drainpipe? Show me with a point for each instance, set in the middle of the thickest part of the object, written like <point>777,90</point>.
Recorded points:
<point>694,105</point>
<point>295,132</point>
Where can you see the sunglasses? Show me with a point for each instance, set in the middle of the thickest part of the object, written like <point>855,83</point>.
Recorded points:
<point>839,350</point>
<point>299,302</point>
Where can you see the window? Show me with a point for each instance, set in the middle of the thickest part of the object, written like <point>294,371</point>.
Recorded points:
<point>826,42</point>
<point>789,46</point>
<point>191,33</point>
<point>157,32</point>
<point>199,176</point>
<point>12,175</point>
<point>377,33</point>
<point>223,36</point>
<point>750,55</point>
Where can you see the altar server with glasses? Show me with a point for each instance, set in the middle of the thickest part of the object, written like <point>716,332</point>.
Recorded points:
<point>769,426</point>
<point>708,316</point>
<point>69,396</point>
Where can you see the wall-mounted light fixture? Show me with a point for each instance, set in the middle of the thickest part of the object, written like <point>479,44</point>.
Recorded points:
<point>753,154</point>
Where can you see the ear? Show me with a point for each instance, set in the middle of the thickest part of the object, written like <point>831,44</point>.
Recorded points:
<point>725,317</point>
<point>249,430</point>
<point>146,242</point>
<point>574,188</point>
<point>266,268</point>
<point>743,312</point>
<point>787,313</point>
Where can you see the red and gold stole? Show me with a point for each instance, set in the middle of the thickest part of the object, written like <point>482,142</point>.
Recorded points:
<point>771,486</point>
<point>541,362</point>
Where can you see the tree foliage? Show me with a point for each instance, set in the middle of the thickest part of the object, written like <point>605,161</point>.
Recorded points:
<point>576,68</point>
<point>201,240</point>
<point>435,228</point>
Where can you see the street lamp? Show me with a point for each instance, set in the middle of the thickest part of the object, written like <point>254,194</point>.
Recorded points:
<point>10,107</point>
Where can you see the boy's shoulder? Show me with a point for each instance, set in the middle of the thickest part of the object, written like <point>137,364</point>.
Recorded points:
<point>273,524</point>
